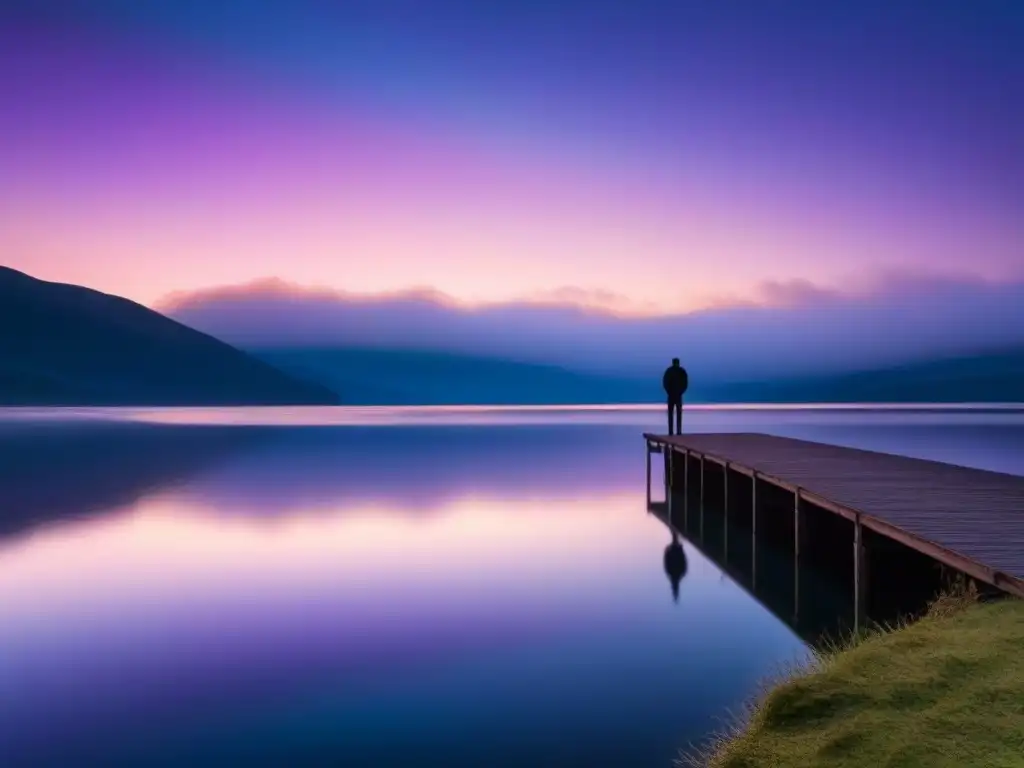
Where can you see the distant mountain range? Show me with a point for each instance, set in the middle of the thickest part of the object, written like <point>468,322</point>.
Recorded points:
<point>68,345</point>
<point>399,377</point>
<point>994,376</point>
<point>412,377</point>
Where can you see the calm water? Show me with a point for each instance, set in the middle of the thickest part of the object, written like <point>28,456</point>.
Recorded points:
<point>380,587</point>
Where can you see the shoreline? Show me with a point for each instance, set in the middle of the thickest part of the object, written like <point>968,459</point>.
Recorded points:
<point>944,690</point>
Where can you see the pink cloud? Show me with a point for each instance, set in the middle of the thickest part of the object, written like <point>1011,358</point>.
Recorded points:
<point>275,288</point>
<point>802,328</point>
<point>794,293</point>
<point>278,289</point>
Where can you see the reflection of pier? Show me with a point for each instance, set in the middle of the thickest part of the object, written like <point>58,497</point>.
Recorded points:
<point>814,610</point>
<point>773,511</point>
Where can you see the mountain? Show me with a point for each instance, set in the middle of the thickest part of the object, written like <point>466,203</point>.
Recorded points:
<point>67,345</point>
<point>993,376</point>
<point>414,377</point>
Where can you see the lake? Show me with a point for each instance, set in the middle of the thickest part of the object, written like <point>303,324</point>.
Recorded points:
<point>382,587</point>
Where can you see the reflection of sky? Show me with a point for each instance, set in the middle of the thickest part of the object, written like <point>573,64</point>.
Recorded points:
<point>371,592</point>
<point>982,436</point>
<point>325,611</point>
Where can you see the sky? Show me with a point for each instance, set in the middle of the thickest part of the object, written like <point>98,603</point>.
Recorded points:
<point>639,157</point>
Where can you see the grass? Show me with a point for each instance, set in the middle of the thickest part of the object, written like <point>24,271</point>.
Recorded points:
<point>946,690</point>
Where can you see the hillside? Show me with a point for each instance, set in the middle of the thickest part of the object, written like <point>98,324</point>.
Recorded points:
<point>995,376</point>
<point>67,345</point>
<point>407,377</point>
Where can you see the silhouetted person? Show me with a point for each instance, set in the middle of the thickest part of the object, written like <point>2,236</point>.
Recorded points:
<point>675,381</point>
<point>675,564</point>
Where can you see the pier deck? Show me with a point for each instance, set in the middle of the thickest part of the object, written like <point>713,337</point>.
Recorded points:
<point>969,519</point>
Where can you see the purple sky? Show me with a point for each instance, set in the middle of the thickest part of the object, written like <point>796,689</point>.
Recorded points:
<point>645,157</point>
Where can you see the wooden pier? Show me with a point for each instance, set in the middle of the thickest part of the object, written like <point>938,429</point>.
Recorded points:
<point>967,519</point>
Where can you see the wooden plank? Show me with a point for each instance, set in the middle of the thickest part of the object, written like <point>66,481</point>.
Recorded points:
<point>968,518</point>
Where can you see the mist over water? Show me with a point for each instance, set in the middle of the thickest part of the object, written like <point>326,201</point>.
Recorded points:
<point>374,587</point>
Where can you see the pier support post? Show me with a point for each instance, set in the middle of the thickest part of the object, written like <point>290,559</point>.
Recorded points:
<point>753,530</point>
<point>797,535</point>
<point>670,476</point>
<point>700,511</point>
<point>702,481</point>
<point>725,510</point>
<point>669,485</point>
<point>648,451</point>
<point>797,523</point>
<point>860,577</point>
<point>686,490</point>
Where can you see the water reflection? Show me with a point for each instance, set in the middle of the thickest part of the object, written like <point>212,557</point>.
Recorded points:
<point>51,473</point>
<point>808,586</point>
<point>415,469</point>
<point>675,564</point>
<point>467,592</point>
<point>230,595</point>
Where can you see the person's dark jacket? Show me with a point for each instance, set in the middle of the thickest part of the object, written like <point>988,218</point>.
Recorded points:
<point>675,381</point>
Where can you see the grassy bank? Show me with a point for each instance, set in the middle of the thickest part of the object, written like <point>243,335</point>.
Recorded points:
<point>947,690</point>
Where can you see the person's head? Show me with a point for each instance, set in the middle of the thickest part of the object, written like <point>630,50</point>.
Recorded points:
<point>675,362</point>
